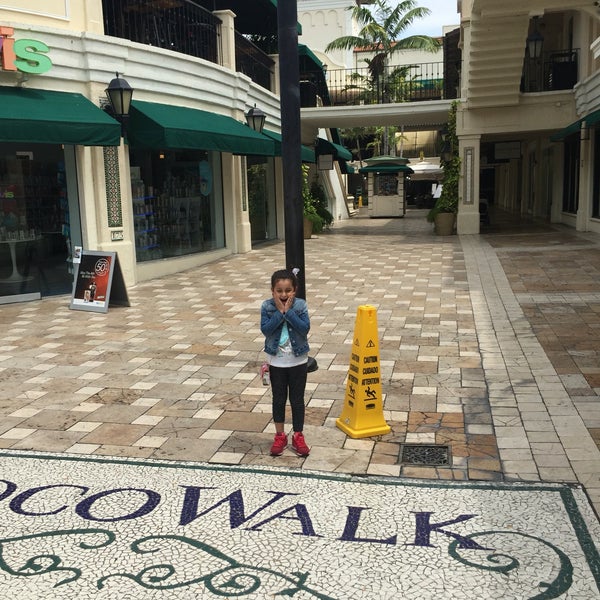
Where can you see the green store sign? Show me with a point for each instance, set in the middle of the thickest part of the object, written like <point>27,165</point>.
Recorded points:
<point>28,56</point>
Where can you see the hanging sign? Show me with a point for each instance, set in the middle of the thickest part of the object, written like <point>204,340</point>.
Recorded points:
<point>98,282</point>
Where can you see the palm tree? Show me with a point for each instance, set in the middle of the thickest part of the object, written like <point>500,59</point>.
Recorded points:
<point>381,30</point>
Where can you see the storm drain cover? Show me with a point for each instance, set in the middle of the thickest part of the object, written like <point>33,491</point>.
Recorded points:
<point>424,454</point>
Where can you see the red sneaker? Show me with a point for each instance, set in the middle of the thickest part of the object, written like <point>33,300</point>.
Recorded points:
<point>299,445</point>
<point>279,444</point>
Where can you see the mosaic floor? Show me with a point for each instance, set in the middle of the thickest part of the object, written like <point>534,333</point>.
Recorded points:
<point>75,527</point>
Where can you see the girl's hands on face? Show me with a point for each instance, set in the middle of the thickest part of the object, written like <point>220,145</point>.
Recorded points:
<point>284,293</point>
<point>280,304</point>
<point>289,301</point>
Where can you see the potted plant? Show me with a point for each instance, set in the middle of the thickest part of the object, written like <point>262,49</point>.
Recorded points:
<point>320,203</point>
<point>313,223</point>
<point>443,213</point>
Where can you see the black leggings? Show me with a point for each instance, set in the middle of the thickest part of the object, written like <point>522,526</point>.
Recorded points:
<point>292,381</point>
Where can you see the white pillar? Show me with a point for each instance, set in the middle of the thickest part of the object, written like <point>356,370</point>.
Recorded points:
<point>227,30</point>
<point>468,189</point>
<point>586,176</point>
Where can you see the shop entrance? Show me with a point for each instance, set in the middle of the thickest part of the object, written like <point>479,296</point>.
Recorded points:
<point>39,221</point>
<point>261,198</point>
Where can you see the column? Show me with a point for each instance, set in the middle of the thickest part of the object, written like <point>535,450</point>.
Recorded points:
<point>468,190</point>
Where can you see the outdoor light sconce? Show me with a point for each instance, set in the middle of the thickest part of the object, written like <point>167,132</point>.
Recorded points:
<point>446,151</point>
<point>325,162</point>
<point>119,94</point>
<point>535,41</point>
<point>255,119</point>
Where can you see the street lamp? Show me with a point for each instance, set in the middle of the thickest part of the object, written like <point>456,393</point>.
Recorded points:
<point>255,119</point>
<point>535,41</point>
<point>119,94</point>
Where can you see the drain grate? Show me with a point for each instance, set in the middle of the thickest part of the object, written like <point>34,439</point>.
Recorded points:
<point>424,454</point>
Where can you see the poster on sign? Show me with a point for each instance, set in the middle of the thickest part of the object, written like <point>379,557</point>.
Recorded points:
<point>98,276</point>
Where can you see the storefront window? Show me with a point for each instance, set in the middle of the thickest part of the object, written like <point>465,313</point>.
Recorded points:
<point>39,220</point>
<point>177,202</point>
<point>386,185</point>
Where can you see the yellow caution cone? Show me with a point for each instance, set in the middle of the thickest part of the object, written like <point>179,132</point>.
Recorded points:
<point>362,414</point>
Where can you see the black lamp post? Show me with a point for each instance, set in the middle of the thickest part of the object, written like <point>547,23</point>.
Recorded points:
<point>289,77</point>
<point>535,41</point>
<point>119,94</point>
<point>255,118</point>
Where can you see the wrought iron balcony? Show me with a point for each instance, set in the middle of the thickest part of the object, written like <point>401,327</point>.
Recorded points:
<point>404,83</point>
<point>552,71</point>
<point>252,61</point>
<point>182,26</point>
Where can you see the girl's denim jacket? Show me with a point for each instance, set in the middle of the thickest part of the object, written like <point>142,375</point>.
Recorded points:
<point>298,322</point>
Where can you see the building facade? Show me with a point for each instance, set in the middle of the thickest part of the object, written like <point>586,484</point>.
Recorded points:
<point>528,111</point>
<point>172,193</point>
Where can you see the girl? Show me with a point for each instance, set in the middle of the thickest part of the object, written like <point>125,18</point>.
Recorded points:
<point>285,323</point>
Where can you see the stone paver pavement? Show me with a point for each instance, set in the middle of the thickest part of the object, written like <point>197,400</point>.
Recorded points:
<point>134,445</point>
<point>481,341</point>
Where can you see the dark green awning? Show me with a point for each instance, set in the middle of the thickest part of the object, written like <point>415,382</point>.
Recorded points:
<point>47,117</point>
<point>306,153</point>
<point>591,119</point>
<point>566,132</point>
<point>386,169</point>
<point>308,59</point>
<point>326,147</point>
<point>153,125</point>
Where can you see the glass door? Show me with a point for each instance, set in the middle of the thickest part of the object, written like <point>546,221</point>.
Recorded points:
<point>39,221</point>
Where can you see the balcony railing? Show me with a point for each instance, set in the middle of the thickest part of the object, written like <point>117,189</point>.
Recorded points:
<point>252,61</point>
<point>179,25</point>
<point>405,83</point>
<point>553,71</point>
<point>182,26</point>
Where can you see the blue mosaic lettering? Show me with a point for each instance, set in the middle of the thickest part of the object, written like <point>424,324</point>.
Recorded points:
<point>16,504</point>
<point>352,521</point>
<point>237,512</point>
<point>84,507</point>
<point>301,515</point>
<point>10,486</point>
<point>423,529</point>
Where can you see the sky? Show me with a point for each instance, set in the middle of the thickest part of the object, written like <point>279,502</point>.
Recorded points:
<point>443,12</point>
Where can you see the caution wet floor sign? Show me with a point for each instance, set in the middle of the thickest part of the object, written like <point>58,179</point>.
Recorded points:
<point>362,414</point>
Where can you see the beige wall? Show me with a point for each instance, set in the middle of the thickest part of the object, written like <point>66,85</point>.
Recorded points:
<point>76,15</point>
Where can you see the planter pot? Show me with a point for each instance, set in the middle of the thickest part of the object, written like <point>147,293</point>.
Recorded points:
<point>444,223</point>
<point>308,227</point>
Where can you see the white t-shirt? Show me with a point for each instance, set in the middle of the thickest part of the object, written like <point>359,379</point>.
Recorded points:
<point>285,355</point>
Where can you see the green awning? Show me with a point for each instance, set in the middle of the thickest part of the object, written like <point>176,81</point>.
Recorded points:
<point>306,153</point>
<point>154,125</point>
<point>47,117</point>
<point>566,132</point>
<point>308,59</point>
<point>386,169</point>
<point>346,167</point>
<point>590,119</point>
<point>326,147</point>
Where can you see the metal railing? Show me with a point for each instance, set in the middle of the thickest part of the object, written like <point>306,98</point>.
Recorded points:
<point>252,61</point>
<point>558,70</point>
<point>404,83</point>
<point>186,27</point>
<point>179,25</point>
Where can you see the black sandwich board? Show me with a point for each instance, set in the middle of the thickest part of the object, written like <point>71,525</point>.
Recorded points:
<point>98,282</point>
